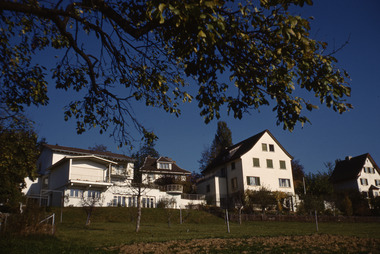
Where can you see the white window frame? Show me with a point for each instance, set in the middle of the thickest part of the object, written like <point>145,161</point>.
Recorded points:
<point>284,164</point>
<point>163,165</point>
<point>253,180</point>
<point>264,147</point>
<point>284,182</point>
<point>257,160</point>
<point>269,161</point>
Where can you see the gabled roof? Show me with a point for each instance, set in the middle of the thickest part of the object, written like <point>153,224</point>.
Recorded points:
<point>79,151</point>
<point>150,165</point>
<point>236,151</point>
<point>81,157</point>
<point>350,168</point>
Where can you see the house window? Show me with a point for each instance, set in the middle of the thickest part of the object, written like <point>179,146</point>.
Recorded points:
<point>130,202</point>
<point>377,182</point>
<point>45,182</point>
<point>264,147</point>
<point>284,182</point>
<point>363,181</point>
<point>282,165</point>
<point>208,189</point>
<point>151,177</point>
<point>93,194</point>
<point>365,170</point>
<point>233,166</point>
<point>76,193</point>
<point>269,163</point>
<point>163,166</point>
<point>253,180</point>
<point>223,172</point>
<point>271,148</point>
<point>234,183</point>
<point>256,162</point>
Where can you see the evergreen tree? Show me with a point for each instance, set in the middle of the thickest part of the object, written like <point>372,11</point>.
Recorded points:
<point>222,140</point>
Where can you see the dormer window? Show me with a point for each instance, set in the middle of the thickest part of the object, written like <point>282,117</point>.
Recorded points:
<point>164,165</point>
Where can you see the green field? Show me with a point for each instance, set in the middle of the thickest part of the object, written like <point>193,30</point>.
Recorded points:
<point>112,230</point>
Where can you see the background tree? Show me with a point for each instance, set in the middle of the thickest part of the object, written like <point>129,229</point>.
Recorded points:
<point>19,151</point>
<point>147,149</point>
<point>98,148</point>
<point>263,197</point>
<point>318,190</point>
<point>90,202</point>
<point>222,139</point>
<point>298,176</point>
<point>149,50</point>
<point>137,186</point>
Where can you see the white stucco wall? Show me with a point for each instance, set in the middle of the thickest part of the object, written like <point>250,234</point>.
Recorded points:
<point>87,170</point>
<point>370,177</point>
<point>59,176</point>
<point>32,187</point>
<point>124,195</point>
<point>269,177</point>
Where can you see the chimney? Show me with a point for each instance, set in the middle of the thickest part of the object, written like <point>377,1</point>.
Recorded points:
<point>348,158</point>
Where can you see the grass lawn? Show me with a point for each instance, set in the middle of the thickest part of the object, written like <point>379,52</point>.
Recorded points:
<point>114,227</point>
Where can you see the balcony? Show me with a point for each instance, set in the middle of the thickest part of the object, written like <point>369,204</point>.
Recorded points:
<point>174,188</point>
<point>193,196</point>
<point>120,173</point>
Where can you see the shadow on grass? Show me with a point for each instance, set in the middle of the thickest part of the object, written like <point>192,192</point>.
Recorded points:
<point>37,244</point>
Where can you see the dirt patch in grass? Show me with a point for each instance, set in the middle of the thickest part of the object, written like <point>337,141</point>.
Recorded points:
<point>317,243</point>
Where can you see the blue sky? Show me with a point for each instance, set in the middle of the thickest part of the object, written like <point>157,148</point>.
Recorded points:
<point>330,136</point>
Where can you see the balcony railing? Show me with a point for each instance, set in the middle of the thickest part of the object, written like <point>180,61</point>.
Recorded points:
<point>119,172</point>
<point>89,178</point>
<point>193,196</point>
<point>174,188</point>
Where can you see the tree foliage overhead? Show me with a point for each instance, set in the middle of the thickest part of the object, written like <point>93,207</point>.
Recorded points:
<point>115,52</point>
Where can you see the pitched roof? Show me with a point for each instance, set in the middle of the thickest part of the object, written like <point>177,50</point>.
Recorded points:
<point>79,151</point>
<point>350,168</point>
<point>236,151</point>
<point>87,157</point>
<point>150,165</point>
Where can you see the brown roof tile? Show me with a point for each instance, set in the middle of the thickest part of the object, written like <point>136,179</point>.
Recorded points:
<point>79,151</point>
<point>349,169</point>
<point>236,151</point>
<point>150,165</point>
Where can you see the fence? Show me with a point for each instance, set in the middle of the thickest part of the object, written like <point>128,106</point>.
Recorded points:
<point>303,218</point>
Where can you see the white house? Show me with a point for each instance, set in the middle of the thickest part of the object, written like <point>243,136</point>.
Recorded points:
<point>72,176</point>
<point>154,169</point>
<point>259,161</point>
<point>359,173</point>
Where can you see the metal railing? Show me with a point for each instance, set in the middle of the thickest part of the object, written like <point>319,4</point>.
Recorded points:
<point>178,188</point>
<point>52,222</point>
<point>89,178</point>
<point>193,196</point>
